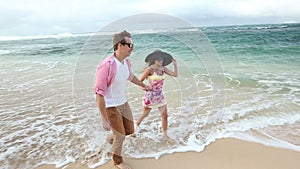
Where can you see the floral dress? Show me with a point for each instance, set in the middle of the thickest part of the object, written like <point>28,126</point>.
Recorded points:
<point>155,96</point>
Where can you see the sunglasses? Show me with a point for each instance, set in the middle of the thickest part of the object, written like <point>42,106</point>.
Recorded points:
<point>130,45</point>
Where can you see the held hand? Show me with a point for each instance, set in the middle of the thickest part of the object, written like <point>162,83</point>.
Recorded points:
<point>146,88</point>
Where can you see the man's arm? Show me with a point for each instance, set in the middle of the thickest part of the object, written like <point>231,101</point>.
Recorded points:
<point>101,107</point>
<point>136,81</point>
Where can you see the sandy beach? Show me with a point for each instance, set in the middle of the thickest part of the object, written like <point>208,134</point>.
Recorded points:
<point>226,153</point>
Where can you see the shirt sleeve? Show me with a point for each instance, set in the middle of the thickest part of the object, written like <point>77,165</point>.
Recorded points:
<point>102,79</point>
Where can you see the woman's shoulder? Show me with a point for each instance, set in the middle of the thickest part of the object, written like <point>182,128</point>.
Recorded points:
<point>147,69</point>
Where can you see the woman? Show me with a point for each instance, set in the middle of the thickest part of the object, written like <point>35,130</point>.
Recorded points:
<point>155,74</point>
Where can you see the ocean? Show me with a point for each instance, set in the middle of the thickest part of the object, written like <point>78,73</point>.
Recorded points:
<point>234,81</point>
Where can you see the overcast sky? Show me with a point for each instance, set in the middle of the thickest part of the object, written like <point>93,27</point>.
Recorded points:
<point>42,17</point>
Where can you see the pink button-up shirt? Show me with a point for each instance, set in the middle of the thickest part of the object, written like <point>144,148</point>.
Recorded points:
<point>106,72</point>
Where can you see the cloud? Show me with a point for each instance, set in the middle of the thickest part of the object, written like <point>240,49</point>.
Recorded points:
<point>29,17</point>
<point>267,8</point>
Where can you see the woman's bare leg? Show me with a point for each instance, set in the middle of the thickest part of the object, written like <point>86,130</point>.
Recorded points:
<point>145,113</point>
<point>164,115</point>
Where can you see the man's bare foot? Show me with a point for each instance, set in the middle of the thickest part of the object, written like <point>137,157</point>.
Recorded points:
<point>123,166</point>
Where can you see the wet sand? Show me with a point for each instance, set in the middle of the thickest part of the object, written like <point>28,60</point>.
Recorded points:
<point>226,153</point>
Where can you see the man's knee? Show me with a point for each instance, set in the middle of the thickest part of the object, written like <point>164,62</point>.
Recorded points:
<point>129,131</point>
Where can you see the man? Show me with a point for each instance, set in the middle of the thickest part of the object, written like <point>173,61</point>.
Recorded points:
<point>111,83</point>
